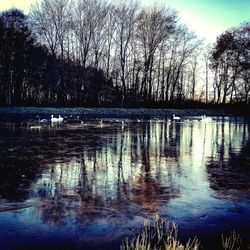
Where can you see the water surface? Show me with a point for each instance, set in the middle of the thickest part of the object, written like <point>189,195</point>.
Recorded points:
<point>90,186</point>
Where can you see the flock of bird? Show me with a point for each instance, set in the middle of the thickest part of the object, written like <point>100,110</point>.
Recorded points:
<point>202,118</point>
<point>58,120</point>
<point>76,120</point>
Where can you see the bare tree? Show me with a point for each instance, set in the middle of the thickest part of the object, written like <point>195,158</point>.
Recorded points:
<point>83,27</point>
<point>193,70</point>
<point>126,16</point>
<point>99,30</point>
<point>183,45</point>
<point>109,32</point>
<point>154,26</point>
<point>52,21</point>
<point>206,57</point>
<point>225,63</point>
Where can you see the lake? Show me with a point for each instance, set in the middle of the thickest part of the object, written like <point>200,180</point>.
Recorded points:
<point>89,186</point>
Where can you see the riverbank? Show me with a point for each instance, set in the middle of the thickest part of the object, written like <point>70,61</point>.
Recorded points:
<point>116,112</point>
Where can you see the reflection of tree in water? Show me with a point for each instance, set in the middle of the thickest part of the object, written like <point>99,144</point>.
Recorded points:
<point>16,176</point>
<point>52,209</point>
<point>147,193</point>
<point>229,167</point>
<point>24,152</point>
<point>111,182</point>
<point>146,190</point>
<point>19,164</point>
<point>115,173</point>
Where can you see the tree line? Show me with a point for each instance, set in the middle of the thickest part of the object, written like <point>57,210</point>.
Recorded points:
<point>97,53</point>
<point>230,62</point>
<point>31,75</point>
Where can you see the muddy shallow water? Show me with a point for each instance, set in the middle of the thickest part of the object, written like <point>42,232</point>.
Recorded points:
<point>88,186</point>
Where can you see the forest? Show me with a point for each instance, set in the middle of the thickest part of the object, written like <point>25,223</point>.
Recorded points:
<point>93,53</point>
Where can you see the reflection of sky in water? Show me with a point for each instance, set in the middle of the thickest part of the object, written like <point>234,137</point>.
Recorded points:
<point>82,193</point>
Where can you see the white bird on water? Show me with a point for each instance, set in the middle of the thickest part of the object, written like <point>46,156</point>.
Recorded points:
<point>54,119</point>
<point>206,119</point>
<point>60,119</point>
<point>36,124</point>
<point>176,118</point>
<point>42,121</point>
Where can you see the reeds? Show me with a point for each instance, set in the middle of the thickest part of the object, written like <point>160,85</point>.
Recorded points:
<point>158,235</point>
<point>232,242</point>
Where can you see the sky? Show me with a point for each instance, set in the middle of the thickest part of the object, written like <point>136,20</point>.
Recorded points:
<point>207,18</point>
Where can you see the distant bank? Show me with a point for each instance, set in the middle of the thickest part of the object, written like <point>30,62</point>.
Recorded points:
<point>6,112</point>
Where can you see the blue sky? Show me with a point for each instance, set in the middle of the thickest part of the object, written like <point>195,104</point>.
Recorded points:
<point>208,18</point>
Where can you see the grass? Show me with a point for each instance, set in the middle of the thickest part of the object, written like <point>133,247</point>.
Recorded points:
<point>160,235</point>
<point>232,242</point>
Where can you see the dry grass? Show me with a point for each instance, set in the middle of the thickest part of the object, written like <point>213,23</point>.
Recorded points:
<point>232,242</point>
<point>158,235</point>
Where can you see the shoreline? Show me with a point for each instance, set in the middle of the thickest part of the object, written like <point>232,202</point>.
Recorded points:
<point>117,112</point>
